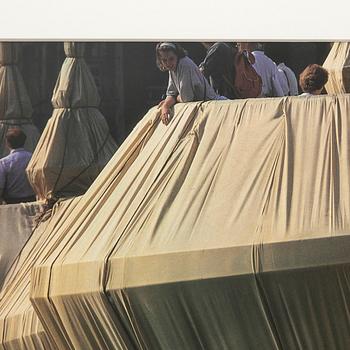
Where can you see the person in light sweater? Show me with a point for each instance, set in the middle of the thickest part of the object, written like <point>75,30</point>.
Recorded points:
<point>186,82</point>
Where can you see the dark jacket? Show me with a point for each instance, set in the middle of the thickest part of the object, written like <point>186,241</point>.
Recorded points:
<point>219,62</point>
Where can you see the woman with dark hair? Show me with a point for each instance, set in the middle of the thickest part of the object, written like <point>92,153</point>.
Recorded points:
<point>218,67</point>
<point>186,82</point>
<point>312,80</point>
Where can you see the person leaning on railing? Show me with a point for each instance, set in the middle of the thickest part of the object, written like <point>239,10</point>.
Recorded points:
<point>186,82</point>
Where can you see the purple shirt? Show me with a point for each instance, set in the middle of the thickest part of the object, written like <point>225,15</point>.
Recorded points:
<point>13,178</point>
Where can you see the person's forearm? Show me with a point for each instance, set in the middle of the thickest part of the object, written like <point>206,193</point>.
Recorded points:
<point>165,109</point>
<point>169,101</point>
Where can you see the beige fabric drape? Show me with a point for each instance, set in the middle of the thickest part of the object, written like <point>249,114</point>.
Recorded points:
<point>20,327</point>
<point>227,229</point>
<point>338,65</point>
<point>15,105</point>
<point>16,224</point>
<point>76,143</point>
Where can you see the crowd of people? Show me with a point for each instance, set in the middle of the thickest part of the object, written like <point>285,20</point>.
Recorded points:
<point>215,77</point>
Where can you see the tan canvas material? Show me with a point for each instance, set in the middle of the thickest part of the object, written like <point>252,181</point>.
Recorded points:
<point>226,229</point>
<point>76,143</point>
<point>15,106</point>
<point>337,64</point>
<point>20,327</point>
<point>16,224</point>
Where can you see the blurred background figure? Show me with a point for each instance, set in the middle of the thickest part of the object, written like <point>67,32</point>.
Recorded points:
<point>14,185</point>
<point>266,68</point>
<point>288,80</point>
<point>313,79</point>
<point>218,67</point>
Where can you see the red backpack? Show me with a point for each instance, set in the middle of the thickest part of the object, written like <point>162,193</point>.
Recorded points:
<point>247,83</point>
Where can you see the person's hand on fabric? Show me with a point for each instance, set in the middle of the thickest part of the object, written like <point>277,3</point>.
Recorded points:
<point>165,114</point>
<point>165,106</point>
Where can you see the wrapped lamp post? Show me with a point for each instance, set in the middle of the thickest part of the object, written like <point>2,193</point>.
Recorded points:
<point>15,105</point>
<point>76,143</point>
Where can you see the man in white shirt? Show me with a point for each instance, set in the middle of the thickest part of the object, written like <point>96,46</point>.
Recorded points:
<point>14,185</point>
<point>266,68</point>
<point>288,80</point>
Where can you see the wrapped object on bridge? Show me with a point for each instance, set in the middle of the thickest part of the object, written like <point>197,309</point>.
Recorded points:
<point>337,64</point>
<point>17,223</point>
<point>15,106</point>
<point>228,228</point>
<point>75,144</point>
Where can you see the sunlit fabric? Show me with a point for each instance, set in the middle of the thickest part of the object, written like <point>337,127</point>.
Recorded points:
<point>16,224</point>
<point>226,229</point>
<point>337,64</point>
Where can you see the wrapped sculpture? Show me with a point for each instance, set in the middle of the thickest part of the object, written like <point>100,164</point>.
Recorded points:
<point>75,144</point>
<point>15,106</point>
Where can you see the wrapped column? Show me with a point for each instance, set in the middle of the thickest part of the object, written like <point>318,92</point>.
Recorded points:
<point>15,105</point>
<point>338,66</point>
<point>76,143</point>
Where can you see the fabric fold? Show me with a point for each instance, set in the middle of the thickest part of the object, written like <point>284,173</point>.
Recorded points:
<point>228,228</point>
